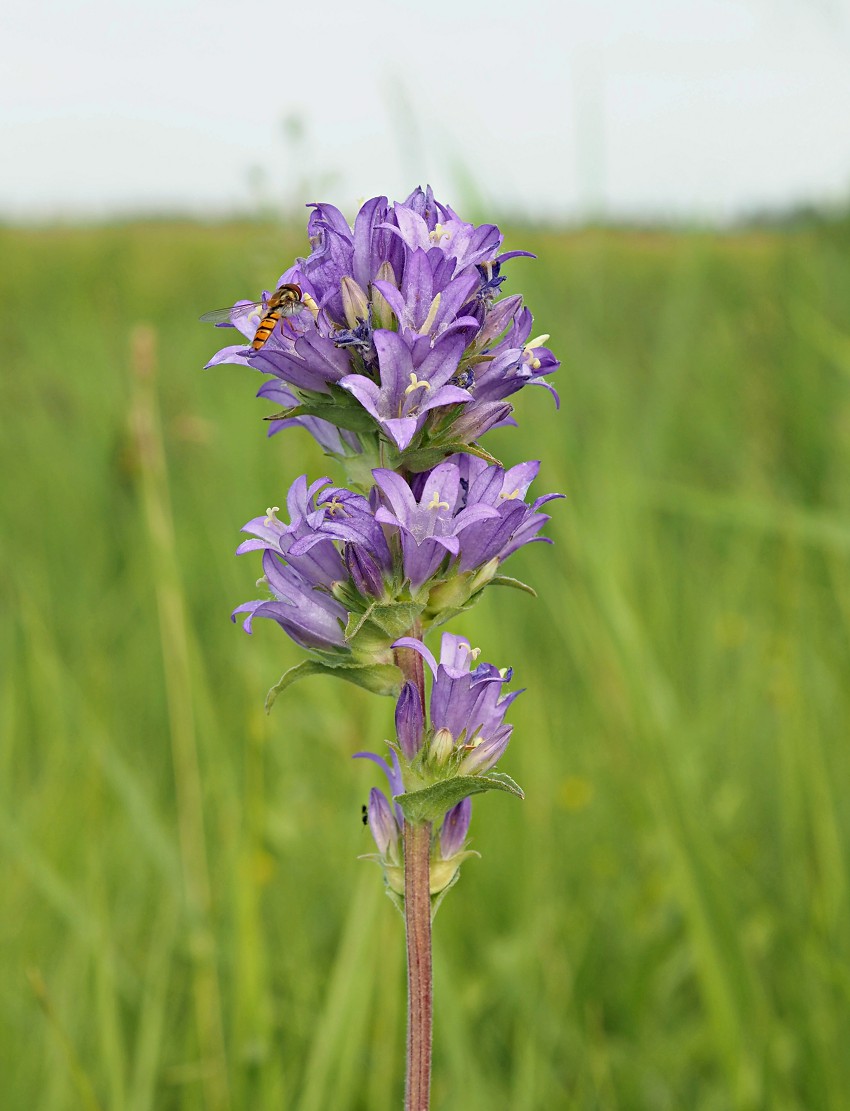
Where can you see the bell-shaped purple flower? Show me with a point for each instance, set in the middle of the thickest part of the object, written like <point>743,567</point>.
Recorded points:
<point>431,526</point>
<point>312,618</point>
<point>409,720</point>
<point>411,384</point>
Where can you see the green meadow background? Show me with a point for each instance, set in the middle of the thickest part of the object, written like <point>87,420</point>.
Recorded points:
<point>661,924</point>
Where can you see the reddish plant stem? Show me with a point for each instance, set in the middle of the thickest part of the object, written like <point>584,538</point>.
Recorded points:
<point>412,665</point>
<point>417,917</point>
<point>417,920</point>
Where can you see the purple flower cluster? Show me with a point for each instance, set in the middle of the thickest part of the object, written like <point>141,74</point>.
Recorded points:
<point>386,821</point>
<point>467,733</point>
<point>404,323</point>
<point>414,547</point>
<point>399,354</point>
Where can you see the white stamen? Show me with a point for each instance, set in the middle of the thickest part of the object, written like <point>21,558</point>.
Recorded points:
<point>435,502</point>
<point>271,510</point>
<point>415,384</point>
<point>307,300</point>
<point>538,341</point>
<point>432,315</point>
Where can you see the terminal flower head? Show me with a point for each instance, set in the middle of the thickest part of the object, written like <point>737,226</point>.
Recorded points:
<point>403,311</point>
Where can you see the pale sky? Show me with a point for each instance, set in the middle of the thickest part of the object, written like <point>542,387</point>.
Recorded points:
<point>692,109</point>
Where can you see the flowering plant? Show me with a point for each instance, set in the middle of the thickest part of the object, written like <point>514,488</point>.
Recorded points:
<point>397,353</point>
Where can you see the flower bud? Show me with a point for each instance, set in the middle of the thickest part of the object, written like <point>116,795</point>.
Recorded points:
<point>484,754</point>
<point>409,720</point>
<point>364,570</point>
<point>474,421</point>
<point>354,302</point>
<point>382,314</point>
<point>383,824</point>
<point>455,828</point>
<point>449,594</point>
<point>449,852</point>
<point>442,745</point>
<point>442,872</point>
<point>484,574</point>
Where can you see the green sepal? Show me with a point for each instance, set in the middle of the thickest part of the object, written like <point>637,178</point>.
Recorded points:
<point>397,900</point>
<point>438,898</point>
<point>431,803</point>
<point>378,678</point>
<point>472,449</point>
<point>517,584</point>
<point>442,616</point>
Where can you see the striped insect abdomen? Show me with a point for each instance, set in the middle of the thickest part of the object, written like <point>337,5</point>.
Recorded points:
<point>265,329</point>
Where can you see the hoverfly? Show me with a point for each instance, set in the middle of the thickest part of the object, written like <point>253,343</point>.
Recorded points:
<point>287,300</point>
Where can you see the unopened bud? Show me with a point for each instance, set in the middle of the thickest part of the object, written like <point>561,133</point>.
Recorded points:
<point>484,574</point>
<point>354,302</point>
<point>455,828</point>
<point>382,314</point>
<point>470,425</point>
<point>364,570</point>
<point>442,744</point>
<point>409,720</point>
<point>484,754</point>
<point>383,824</point>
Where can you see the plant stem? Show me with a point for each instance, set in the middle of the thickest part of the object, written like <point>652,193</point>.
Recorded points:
<point>417,921</point>
<point>417,918</point>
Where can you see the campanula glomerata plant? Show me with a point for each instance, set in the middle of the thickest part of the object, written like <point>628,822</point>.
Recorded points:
<point>393,347</point>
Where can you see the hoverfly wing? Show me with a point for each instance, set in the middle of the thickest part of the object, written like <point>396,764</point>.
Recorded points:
<point>239,310</point>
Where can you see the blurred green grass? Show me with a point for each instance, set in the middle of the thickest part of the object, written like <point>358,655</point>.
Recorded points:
<point>662,924</point>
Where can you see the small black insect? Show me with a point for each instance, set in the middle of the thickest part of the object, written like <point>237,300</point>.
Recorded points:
<point>365,814</point>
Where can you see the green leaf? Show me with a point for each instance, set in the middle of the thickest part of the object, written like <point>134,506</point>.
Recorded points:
<point>343,416</point>
<point>422,459</point>
<point>381,623</point>
<point>517,584</point>
<point>395,618</point>
<point>378,678</point>
<point>431,803</point>
<point>426,458</point>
